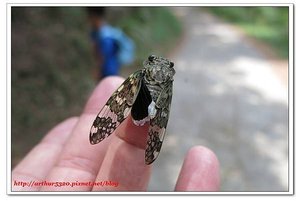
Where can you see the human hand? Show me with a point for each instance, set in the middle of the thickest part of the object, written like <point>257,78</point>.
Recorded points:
<point>65,155</point>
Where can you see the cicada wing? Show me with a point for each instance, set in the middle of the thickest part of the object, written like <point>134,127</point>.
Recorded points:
<point>116,109</point>
<point>158,125</point>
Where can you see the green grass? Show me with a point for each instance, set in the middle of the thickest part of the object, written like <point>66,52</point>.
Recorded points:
<point>267,24</point>
<point>53,64</point>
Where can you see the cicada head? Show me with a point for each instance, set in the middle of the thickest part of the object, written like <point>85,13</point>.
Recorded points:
<point>158,69</point>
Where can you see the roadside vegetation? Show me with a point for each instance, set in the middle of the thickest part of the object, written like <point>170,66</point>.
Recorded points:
<point>266,24</point>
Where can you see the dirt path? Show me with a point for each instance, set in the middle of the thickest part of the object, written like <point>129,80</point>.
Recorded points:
<point>228,98</point>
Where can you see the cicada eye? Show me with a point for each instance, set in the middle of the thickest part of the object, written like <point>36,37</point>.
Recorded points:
<point>171,64</point>
<point>151,58</point>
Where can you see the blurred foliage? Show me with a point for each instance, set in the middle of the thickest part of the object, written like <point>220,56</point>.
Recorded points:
<point>155,30</point>
<point>269,24</point>
<point>53,64</point>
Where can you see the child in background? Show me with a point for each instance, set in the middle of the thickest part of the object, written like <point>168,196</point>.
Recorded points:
<point>112,47</point>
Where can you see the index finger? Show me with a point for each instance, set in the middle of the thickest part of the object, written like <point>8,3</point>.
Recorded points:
<point>124,164</point>
<point>79,160</point>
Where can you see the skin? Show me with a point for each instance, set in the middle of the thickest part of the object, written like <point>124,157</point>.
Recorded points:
<point>95,21</point>
<point>65,154</point>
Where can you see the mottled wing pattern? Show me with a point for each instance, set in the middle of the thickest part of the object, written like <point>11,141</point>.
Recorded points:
<point>158,125</point>
<point>116,109</point>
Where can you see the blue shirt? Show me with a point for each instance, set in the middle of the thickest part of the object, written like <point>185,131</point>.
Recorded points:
<point>108,49</point>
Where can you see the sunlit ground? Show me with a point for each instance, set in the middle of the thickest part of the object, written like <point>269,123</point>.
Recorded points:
<point>227,97</point>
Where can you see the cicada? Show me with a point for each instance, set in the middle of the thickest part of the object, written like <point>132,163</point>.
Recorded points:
<point>147,95</point>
